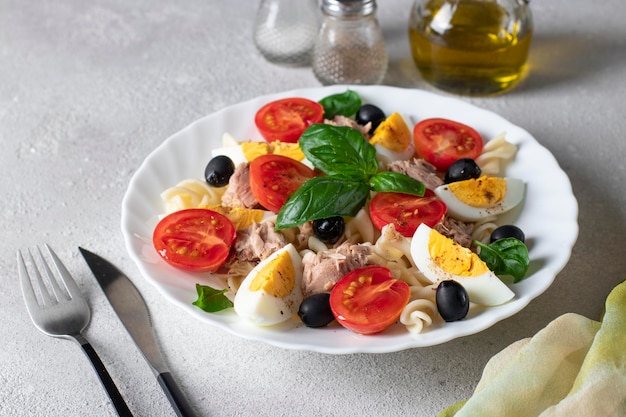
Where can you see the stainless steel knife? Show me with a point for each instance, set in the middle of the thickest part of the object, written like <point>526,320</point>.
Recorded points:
<point>133,312</point>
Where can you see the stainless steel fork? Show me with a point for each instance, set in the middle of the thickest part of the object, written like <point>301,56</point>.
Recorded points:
<point>61,312</point>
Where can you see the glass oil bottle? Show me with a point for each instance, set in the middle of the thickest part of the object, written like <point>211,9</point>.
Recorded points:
<point>471,47</point>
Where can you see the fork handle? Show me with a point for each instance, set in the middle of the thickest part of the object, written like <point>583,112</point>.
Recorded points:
<point>108,384</point>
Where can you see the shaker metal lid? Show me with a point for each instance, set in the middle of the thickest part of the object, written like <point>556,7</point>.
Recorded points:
<point>348,7</point>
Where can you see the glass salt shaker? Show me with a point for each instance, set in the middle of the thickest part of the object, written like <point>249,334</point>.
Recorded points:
<point>350,48</point>
<point>285,30</point>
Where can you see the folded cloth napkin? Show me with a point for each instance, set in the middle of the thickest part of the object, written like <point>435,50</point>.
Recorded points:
<point>574,367</point>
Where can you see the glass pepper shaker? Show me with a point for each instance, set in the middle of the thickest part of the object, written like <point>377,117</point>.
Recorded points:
<point>285,30</point>
<point>350,47</point>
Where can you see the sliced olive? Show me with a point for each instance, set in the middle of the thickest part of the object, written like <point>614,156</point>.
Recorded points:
<point>329,230</point>
<point>452,300</point>
<point>315,310</point>
<point>508,230</point>
<point>461,170</point>
<point>219,170</point>
<point>370,113</point>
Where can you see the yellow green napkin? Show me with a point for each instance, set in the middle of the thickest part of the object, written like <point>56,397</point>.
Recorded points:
<point>574,367</point>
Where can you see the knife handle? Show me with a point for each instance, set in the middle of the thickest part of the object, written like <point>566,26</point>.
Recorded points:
<point>105,378</point>
<point>175,395</point>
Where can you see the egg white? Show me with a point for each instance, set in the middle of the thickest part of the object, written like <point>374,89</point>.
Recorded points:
<point>230,148</point>
<point>235,153</point>
<point>262,308</point>
<point>484,289</point>
<point>385,155</point>
<point>465,212</point>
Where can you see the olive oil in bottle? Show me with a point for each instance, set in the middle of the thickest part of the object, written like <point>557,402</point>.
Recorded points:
<point>471,47</point>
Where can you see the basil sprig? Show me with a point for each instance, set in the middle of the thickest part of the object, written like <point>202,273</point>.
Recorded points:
<point>339,151</point>
<point>508,256</point>
<point>394,181</point>
<point>211,300</point>
<point>323,197</point>
<point>344,104</point>
<point>351,169</point>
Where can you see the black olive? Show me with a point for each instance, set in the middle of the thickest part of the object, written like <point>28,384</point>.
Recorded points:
<point>462,169</point>
<point>508,230</point>
<point>370,113</point>
<point>329,230</point>
<point>315,310</point>
<point>452,300</point>
<point>219,170</point>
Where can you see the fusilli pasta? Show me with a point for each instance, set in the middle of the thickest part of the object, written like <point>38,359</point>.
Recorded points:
<point>191,193</point>
<point>418,314</point>
<point>495,155</point>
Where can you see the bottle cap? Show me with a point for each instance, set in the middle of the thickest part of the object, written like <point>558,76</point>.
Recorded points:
<point>348,7</point>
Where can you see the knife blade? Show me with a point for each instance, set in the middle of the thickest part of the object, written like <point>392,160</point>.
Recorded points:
<point>133,312</point>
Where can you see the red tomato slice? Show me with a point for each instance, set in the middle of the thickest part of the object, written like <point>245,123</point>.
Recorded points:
<point>286,119</point>
<point>406,211</point>
<point>195,240</point>
<point>369,299</point>
<point>443,141</point>
<point>273,178</point>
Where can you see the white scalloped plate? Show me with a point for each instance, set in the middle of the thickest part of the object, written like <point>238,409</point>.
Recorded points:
<point>548,217</point>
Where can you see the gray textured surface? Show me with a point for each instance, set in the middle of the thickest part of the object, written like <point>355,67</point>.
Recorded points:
<point>88,89</point>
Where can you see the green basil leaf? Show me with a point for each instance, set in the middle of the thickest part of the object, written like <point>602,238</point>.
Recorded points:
<point>339,150</point>
<point>211,300</point>
<point>490,256</point>
<point>322,197</point>
<point>387,181</point>
<point>507,256</point>
<point>343,104</point>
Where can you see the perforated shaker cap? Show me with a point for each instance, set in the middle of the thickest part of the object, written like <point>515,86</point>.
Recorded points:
<point>348,7</point>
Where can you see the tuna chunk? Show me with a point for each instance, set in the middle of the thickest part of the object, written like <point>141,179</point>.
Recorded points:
<point>322,270</point>
<point>239,193</point>
<point>418,169</point>
<point>346,121</point>
<point>456,230</point>
<point>257,241</point>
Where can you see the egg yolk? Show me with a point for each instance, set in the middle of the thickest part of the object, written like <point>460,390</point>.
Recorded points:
<point>481,192</point>
<point>290,150</point>
<point>240,216</point>
<point>454,258</point>
<point>277,277</point>
<point>253,149</point>
<point>393,133</point>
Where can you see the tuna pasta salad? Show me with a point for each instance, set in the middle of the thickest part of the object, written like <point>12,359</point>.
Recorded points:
<point>349,216</point>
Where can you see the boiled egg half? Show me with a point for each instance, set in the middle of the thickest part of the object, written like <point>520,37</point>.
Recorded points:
<point>439,258</point>
<point>272,291</point>
<point>476,198</point>
<point>240,152</point>
<point>392,140</point>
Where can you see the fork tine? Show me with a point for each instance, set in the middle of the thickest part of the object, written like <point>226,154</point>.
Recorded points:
<point>54,283</point>
<point>46,297</point>
<point>66,277</point>
<point>27,287</point>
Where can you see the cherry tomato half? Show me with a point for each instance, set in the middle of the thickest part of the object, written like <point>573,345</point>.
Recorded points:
<point>273,178</point>
<point>286,119</point>
<point>369,299</point>
<point>443,141</point>
<point>406,211</point>
<point>196,240</point>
